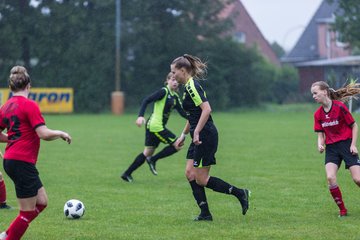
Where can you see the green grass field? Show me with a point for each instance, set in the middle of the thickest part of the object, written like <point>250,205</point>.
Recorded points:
<point>272,153</point>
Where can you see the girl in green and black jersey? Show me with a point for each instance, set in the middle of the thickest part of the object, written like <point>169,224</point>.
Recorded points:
<point>201,152</point>
<point>165,100</point>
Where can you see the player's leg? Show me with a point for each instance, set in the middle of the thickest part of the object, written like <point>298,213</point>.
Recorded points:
<point>3,204</point>
<point>29,190</point>
<point>352,162</point>
<point>331,171</point>
<point>151,143</point>
<point>138,161</point>
<point>219,185</point>
<point>27,213</point>
<point>355,174</point>
<point>167,137</point>
<point>165,152</point>
<point>204,158</point>
<point>41,201</point>
<point>198,193</point>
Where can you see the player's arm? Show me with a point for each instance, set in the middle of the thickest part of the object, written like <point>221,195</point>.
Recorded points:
<point>355,129</point>
<point>149,99</point>
<point>47,134</point>
<point>180,141</point>
<point>321,141</point>
<point>206,110</point>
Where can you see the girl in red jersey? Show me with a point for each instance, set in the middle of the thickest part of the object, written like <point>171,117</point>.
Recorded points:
<point>337,130</point>
<point>25,127</point>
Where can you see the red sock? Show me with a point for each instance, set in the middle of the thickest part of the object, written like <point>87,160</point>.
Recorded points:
<point>2,192</point>
<point>336,194</point>
<point>39,208</point>
<point>20,224</point>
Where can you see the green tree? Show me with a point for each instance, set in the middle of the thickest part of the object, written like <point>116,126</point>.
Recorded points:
<point>278,50</point>
<point>71,43</point>
<point>285,85</point>
<point>155,32</point>
<point>347,21</point>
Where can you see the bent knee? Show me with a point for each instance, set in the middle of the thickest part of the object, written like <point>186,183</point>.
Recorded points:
<point>190,175</point>
<point>331,179</point>
<point>201,182</point>
<point>357,180</point>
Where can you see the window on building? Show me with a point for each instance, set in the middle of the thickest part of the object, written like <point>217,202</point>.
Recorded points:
<point>328,38</point>
<point>240,37</point>
<point>339,42</point>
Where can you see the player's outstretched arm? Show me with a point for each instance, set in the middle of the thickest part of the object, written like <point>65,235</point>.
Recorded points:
<point>47,134</point>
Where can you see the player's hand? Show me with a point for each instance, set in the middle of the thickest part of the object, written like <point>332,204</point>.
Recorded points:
<point>321,148</point>
<point>353,150</point>
<point>140,121</point>
<point>196,139</point>
<point>66,137</point>
<point>179,143</point>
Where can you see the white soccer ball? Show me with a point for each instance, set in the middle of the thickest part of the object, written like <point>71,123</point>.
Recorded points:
<point>74,209</point>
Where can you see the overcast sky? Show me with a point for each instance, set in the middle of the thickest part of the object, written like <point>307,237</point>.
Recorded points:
<point>282,21</point>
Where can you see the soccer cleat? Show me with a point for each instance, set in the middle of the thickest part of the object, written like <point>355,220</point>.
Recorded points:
<point>127,178</point>
<point>203,218</point>
<point>152,166</point>
<point>343,213</point>
<point>3,236</point>
<point>244,200</point>
<point>4,206</point>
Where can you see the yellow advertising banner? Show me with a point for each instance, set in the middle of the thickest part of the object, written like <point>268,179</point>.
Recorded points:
<point>50,100</point>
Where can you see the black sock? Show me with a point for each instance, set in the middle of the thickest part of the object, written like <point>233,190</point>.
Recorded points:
<point>200,197</point>
<point>139,160</point>
<point>218,185</point>
<point>167,151</point>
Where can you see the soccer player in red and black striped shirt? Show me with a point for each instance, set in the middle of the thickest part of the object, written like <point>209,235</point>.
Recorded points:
<point>337,129</point>
<point>25,127</point>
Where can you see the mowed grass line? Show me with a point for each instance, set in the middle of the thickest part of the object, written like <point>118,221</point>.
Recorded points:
<point>273,154</point>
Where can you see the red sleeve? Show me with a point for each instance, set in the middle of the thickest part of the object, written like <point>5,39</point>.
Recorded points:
<point>34,115</point>
<point>347,115</point>
<point>317,124</point>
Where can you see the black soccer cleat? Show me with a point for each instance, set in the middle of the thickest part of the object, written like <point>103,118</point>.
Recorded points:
<point>152,166</point>
<point>203,218</point>
<point>244,200</point>
<point>127,178</point>
<point>5,206</point>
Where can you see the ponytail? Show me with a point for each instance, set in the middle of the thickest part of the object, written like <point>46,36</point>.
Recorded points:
<point>342,94</point>
<point>192,64</point>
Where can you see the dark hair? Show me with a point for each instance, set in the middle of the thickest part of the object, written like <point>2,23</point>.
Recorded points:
<point>18,79</point>
<point>168,76</point>
<point>342,94</point>
<point>192,64</point>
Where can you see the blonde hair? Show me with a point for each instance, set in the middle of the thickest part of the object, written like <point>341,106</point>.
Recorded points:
<point>19,78</point>
<point>342,94</point>
<point>192,64</point>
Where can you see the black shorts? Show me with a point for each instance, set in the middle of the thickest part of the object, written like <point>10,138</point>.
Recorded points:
<point>153,139</point>
<point>25,177</point>
<point>204,154</point>
<point>339,151</point>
